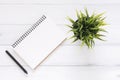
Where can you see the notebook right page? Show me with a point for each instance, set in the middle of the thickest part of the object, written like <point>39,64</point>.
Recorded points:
<point>40,43</point>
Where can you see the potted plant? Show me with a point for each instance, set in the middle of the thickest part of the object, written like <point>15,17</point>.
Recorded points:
<point>87,27</point>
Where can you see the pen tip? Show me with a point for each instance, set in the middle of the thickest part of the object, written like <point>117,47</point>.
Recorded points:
<point>26,72</point>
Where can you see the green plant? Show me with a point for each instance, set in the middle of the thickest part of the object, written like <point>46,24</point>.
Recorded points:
<point>87,27</point>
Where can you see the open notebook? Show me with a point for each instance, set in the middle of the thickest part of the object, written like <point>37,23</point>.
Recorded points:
<point>38,42</point>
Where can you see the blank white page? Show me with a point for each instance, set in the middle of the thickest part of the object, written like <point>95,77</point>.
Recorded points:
<point>40,43</point>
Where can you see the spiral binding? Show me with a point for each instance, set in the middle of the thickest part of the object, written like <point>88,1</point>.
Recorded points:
<point>34,26</point>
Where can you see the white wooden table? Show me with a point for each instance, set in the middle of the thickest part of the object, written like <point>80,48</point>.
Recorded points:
<point>69,61</point>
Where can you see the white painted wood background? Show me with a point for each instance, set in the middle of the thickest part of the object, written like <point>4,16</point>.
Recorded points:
<point>69,61</point>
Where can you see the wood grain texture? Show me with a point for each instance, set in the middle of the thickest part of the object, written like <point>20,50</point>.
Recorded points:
<point>58,1</point>
<point>27,14</point>
<point>74,55</point>
<point>62,73</point>
<point>10,33</point>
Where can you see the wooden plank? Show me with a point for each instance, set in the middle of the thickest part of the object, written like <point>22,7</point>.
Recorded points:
<point>10,33</point>
<point>28,14</point>
<point>57,1</point>
<point>73,55</point>
<point>61,73</point>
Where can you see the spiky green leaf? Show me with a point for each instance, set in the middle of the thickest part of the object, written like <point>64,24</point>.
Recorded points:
<point>87,27</point>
